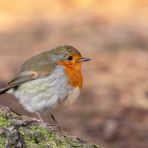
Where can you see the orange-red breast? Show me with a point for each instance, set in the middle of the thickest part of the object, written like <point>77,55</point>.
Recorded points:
<point>48,80</point>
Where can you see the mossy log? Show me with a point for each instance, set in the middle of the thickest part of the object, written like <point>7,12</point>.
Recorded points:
<point>21,131</point>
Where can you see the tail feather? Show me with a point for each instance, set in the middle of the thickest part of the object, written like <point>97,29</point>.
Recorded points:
<point>4,90</point>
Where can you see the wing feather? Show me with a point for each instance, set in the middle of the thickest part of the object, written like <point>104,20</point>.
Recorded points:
<point>21,79</point>
<point>25,77</point>
<point>36,67</point>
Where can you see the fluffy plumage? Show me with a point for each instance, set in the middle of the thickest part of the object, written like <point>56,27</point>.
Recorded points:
<point>49,80</point>
<point>46,94</point>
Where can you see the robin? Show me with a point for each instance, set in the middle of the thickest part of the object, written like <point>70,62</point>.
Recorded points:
<point>48,81</point>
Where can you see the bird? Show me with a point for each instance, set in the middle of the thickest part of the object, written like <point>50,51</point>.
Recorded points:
<point>48,81</point>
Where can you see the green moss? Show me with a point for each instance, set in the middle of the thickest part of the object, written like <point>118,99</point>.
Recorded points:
<point>75,143</point>
<point>38,136</point>
<point>32,134</point>
<point>2,140</point>
<point>4,121</point>
<point>35,136</point>
<point>71,142</point>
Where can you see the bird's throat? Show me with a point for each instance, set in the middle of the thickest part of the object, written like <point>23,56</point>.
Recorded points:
<point>73,71</point>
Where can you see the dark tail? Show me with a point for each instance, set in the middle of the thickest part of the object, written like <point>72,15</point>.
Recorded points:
<point>4,90</point>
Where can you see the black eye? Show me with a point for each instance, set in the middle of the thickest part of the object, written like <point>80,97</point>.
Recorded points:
<point>70,58</point>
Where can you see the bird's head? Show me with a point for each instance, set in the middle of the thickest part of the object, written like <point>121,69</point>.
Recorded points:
<point>71,59</point>
<point>68,56</point>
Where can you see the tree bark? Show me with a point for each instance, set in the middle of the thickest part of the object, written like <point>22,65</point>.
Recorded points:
<point>21,131</point>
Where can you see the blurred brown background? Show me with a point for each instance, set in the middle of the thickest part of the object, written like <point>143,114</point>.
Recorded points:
<point>113,107</point>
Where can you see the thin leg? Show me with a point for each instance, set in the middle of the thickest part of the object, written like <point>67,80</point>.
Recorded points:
<point>40,117</point>
<point>55,121</point>
<point>53,118</point>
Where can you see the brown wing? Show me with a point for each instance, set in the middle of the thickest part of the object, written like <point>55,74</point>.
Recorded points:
<point>23,77</point>
<point>17,81</point>
<point>36,67</point>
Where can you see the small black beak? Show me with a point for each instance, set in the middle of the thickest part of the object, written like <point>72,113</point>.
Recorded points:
<point>84,59</point>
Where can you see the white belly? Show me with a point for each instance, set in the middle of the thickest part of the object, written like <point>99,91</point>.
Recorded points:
<point>46,94</point>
